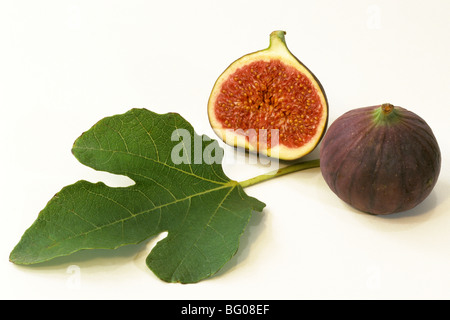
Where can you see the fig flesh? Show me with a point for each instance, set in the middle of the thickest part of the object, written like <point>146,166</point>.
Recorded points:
<point>270,103</point>
<point>380,159</point>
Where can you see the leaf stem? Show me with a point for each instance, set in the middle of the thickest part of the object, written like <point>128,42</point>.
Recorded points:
<point>282,171</point>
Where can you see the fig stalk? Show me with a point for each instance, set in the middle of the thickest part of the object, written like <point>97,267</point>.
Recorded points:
<point>386,114</point>
<point>277,40</point>
<point>280,172</point>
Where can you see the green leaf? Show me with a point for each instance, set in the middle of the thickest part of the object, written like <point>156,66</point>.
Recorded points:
<point>180,188</point>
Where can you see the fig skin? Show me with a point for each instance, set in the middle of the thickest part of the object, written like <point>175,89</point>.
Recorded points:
<point>380,159</point>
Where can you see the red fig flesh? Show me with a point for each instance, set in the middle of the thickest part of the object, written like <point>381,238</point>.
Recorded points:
<point>269,102</point>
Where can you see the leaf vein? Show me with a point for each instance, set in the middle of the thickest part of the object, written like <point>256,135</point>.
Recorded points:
<point>109,199</point>
<point>159,162</point>
<point>194,244</point>
<point>148,134</point>
<point>141,213</point>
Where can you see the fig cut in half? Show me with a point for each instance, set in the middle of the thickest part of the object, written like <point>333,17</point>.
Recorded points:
<point>268,102</point>
<point>381,159</point>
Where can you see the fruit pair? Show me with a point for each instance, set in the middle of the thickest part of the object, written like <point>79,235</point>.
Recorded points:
<point>380,159</point>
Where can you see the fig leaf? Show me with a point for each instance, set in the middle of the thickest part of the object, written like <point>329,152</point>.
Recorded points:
<point>180,188</point>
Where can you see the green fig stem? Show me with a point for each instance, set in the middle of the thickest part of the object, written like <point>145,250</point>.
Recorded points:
<point>282,171</point>
<point>386,114</point>
<point>277,39</point>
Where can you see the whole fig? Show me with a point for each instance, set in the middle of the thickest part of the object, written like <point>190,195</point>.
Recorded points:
<point>380,159</point>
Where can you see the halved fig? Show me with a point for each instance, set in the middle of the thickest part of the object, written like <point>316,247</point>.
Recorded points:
<point>270,103</point>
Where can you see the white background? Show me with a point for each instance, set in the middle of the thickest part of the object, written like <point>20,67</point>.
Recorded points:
<point>64,65</point>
